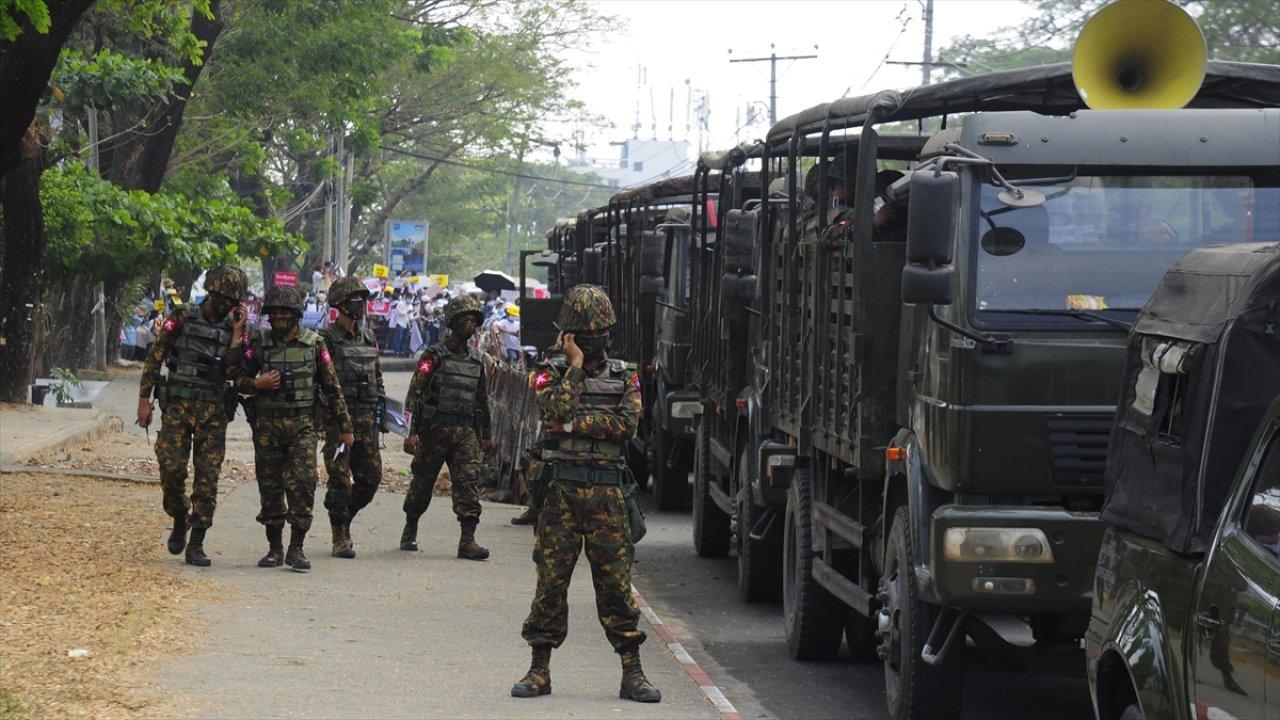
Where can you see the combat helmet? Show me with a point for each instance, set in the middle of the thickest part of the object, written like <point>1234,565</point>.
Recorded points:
<point>228,281</point>
<point>462,305</point>
<point>586,307</point>
<point>344,288</point>
<point>283,296</point>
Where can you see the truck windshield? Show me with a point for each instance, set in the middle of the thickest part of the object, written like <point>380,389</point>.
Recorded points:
<point>1103,242</point>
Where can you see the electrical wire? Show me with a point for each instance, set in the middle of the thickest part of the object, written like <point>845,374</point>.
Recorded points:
<point>494,171</point>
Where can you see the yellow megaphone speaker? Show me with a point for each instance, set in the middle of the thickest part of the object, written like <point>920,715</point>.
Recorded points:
<point>1139,54</point>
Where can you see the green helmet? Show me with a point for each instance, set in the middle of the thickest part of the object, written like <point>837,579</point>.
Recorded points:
<point>586,307</point>
<point>283,296</point>
<point>344,288</point>
<point>460,306</point>
<point>228,281</point>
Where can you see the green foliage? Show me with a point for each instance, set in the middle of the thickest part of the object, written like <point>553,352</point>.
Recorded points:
<point>64,382</point>
<point>108,78</point>
<point>36,13</point>
<point>98,230</point>
<point>1243,30</point>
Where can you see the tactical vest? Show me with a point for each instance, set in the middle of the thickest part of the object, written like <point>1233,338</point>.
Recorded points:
<point>296,363</point>
<point>600,395</point>
<point>195,361</point>
<point>355,361</point>
<point>455,388</point>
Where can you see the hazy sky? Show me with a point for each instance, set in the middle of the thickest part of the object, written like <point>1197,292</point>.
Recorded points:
<point>679,40</point>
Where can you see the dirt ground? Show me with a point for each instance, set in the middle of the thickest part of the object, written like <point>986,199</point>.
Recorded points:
<point>79,570</point>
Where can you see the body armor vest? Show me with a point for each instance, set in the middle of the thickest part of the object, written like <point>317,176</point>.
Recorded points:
<point>355,360</point>
<point>600,396</point>
<point>296,363</point>
<point>455,389</point>
<point>195,362</point>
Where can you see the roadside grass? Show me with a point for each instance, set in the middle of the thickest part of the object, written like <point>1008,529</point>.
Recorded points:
<point>81,568</point>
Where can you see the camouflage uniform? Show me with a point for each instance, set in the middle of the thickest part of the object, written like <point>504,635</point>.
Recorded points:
<point>597,412</point>
<point>284,420</point>
<point>356,363</point>
<point>450,415</point>
<point>201,359</point>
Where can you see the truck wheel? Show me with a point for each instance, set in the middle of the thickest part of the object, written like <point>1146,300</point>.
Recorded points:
<point>860,636</point>
<point>813,618</point>
<point>710,523</point>
<point>670,483</point>
<point>639,465</point>
<point>759,561</point>
<point>913,688</point>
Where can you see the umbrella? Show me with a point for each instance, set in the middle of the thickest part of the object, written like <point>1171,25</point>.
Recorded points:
<point>490,280</point>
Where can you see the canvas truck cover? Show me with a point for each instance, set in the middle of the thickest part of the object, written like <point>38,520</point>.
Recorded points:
<point>1203,366</point>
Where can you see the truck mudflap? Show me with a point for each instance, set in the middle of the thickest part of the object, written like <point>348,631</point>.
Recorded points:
<point>1014,559</point>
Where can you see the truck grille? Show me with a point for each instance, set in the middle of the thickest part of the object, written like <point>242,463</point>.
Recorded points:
<point>1078,448</point>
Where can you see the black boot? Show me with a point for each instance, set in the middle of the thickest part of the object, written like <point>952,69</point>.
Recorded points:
<point>538,680</point>
<point>178,536</point>
<point>528,517</point>
<point>409,538</point>
<point>294,557</point>
<point>275,548</point>
<point>467,547</point>
<point>195,549</point>
<point>342,547</point>
<point>635,686</point>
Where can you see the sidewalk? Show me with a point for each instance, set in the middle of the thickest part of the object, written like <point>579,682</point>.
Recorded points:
<point>32,432</point>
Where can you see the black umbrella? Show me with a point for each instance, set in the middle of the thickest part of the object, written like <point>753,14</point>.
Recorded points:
<point>491,280</point>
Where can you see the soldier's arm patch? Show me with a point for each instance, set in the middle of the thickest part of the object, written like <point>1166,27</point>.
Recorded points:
<point>170,324</point>
<point>324,356</point>
<point>248,352</point>
<point>540,379</point>
<point>635,382</point>
<point>426,365</point>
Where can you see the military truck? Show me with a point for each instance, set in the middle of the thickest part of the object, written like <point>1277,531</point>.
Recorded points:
<point>939,357</point>
<point>1186,604</point>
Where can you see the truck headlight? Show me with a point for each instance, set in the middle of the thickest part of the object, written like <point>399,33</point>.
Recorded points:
<point>686,409</point>
<point>978,544</point>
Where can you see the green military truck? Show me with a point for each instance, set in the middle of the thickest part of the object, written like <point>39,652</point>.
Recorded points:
<point>938,355</point>
<point>1186,605</point>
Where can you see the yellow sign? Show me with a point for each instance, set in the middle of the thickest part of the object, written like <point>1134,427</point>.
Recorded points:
<point>381,271</point>
<point>416,279</point>
<point>159,305</point>
<point>440,280</point>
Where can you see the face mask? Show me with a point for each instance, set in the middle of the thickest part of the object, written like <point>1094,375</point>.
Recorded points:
<point>593,348</point>
<point>221,306</point>
<point>354,309</point>
<point>282,324</point>
<point>464,327</point>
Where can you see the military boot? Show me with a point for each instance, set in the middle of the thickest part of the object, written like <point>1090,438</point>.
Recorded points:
<point>178,536</point>
<point>195,549</point>
<point>342,547</point>
<point>409,538</point>
<point>528,517</point>
<point>294,557</point>
<point>635,686</point>
<point>467,547</point>
<point>538,680</point>
<point>275,548</point>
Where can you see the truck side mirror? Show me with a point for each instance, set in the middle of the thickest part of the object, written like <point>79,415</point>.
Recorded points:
<point>931,224</point>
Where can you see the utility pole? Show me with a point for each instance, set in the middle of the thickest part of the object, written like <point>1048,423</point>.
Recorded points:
<point>926,61</point>
<point>773,59</point>
<point>340,201</point>
<point>510,260</point>
<point>99,296</point>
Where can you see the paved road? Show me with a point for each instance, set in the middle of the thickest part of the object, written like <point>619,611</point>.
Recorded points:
<point>744,649</point>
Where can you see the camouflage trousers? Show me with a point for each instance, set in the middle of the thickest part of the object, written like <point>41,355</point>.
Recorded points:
<point>186,425</point>
<point>459,447</point>
<point>362,461</point>
<point>573,516</point>
<point>284,457</point>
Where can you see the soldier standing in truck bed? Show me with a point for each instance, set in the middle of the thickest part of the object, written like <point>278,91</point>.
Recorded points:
<point>282,370</point>
<point>449,419</point>
<point>590,410</point>
<point>355,359</point>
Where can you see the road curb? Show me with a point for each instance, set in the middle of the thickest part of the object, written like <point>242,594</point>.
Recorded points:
<point>66,440</point>
<point>77,472</point>
<point>709,689</point>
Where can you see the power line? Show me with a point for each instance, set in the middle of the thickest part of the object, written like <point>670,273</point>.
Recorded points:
<point>493,171</point>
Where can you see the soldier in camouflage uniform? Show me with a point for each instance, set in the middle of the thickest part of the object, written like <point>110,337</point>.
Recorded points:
<point>282,369</point>
<point>449,420</point>
<point>590,410</point>
<point>355,358</point>
<point>201,345</point>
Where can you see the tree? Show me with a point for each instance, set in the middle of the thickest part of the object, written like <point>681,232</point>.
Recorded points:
<point>1244,30</point>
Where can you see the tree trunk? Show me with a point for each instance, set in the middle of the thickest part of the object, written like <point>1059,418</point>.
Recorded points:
<point>20,276</point>
<point>25,67</point>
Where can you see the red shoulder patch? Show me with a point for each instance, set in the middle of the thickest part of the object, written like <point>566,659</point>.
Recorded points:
<point>426,366</point>
<point>635,382</point>
<point>170,324</point>
<point>248,352</point>
<point>540,379</point>
<point>324,356</point>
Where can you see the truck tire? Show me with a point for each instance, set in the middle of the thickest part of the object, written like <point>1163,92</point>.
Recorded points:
<point>860,636</point>
<point>639,466</point>
<point>759,561</point>
<point>710,523</point>
<point>813,618</point>
<point>670,481</point>
<point>913,688</point>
